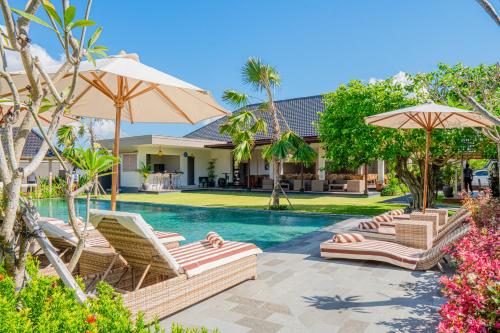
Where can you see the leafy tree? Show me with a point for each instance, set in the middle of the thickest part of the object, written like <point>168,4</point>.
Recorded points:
<point>71,33</point>
<point>476,88</point>
<point>349,142</point>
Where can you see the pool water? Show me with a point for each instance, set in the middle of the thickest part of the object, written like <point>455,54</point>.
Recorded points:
<point>265,229</point>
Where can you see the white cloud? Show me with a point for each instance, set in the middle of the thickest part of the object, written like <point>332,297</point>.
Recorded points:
<point>14,60</point>
<point>374,80</point>
<point>401,78</point>
<point>105,129</point>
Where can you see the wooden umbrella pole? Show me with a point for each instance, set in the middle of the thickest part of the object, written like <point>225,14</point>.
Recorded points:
<point>116,152</point>
<point>426,168</point>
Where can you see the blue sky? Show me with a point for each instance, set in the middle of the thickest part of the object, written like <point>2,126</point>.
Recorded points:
<point>315,45</point>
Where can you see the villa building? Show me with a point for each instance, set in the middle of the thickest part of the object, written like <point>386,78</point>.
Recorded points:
<point>185,159</point>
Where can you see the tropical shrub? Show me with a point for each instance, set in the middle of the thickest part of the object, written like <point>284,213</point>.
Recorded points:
<point>473,292</point>
<point>394,187</point>
<point>44,304</point>
<point>44,191</point>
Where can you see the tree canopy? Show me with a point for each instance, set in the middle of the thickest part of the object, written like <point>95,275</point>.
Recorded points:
<point>350,143</point>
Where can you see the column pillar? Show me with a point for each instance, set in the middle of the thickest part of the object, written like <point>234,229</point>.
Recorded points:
<point>320,165</point>
<point>50,175</point>
<point>380,171</point>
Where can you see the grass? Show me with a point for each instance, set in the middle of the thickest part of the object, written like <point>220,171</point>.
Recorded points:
<point>301,202</point>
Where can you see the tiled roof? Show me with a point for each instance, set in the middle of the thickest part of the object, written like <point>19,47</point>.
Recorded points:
<point>32,146</point>
<point>300,114</point>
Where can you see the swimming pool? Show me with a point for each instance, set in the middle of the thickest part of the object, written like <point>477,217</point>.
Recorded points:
<point>265,229</point>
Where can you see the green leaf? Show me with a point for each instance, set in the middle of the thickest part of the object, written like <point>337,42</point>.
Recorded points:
<point>94,37</point>
<point>81,23</point>
<point>51,11</point>
<point>69,15</point>
<point>32,18</point>
<point>90,58</point>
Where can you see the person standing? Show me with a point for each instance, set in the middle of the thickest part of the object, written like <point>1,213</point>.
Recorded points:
<point>468,174</point>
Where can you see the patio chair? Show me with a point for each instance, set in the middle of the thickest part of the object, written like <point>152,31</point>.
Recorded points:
<point>388,233</point>
<point>392,253</point>
<point>160,281</point>
<point>97,255</point>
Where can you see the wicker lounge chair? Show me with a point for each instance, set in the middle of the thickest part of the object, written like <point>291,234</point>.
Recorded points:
<point>98,255</point>
<point>388,233</point>
<point>392,253</point>
<point>160,282</point>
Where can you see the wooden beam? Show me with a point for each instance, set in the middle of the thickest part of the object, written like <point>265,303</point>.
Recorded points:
<point>171,102</point>
<point>143,276</point>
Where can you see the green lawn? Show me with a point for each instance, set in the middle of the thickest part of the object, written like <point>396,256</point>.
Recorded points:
<point>300,202</point>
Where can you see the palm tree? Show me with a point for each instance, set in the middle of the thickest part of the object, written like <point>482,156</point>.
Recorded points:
<point>243,126</point>
<point>94,164</point>
<point>304,155</point>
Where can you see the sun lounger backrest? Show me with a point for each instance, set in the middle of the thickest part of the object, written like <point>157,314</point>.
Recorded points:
<point>59,237</point>
<point>431,257</point>
<point>132,237</point>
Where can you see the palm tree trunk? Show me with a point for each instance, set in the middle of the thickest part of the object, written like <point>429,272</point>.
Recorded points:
<point>275,137</point>
<point>302,177</point>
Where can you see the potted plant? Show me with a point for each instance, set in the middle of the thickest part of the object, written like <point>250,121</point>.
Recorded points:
<point>145,171</point>
<point>211,172</point>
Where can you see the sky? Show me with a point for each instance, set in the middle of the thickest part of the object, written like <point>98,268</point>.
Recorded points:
<point>315,45</point>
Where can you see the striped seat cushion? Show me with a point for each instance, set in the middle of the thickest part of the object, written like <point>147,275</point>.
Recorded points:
<point>196,258</point>
<point>348,238</point>
<point>368,225</point>
<point>215,239</point>
<point>376,250</point>
<point>396,212</point>
<point>384,218</point>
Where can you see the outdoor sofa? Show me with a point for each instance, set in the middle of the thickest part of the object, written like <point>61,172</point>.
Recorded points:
<point>159,281</point>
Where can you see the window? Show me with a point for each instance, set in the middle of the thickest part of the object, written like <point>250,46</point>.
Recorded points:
<point>481,173</point>
<point>129,162</point>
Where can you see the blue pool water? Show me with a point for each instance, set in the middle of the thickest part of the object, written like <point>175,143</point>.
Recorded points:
<point>265,229</point>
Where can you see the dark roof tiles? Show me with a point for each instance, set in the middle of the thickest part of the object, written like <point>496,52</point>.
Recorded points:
<point>300,114</point>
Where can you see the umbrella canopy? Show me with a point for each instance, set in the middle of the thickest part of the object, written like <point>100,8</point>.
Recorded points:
<point>45,117</point>
<point>122,88</point>
<point>428,116</point>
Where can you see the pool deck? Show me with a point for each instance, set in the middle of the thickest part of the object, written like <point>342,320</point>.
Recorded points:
<point>298,291</point>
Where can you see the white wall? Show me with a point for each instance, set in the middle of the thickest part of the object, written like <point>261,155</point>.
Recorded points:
<point>201,158</point>
<point>223,163</point>
<point>43,169</point>
<point>257,164</point>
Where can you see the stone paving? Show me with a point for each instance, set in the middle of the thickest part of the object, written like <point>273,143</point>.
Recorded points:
<point>298,291</point>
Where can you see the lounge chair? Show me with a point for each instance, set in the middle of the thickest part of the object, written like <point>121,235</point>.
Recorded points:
<point>97,255</point>
<point>160,282</point>
<point>388,233</point>
<point>392,253</point>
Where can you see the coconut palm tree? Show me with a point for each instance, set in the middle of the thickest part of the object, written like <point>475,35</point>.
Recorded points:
<point>304,155</point>
<point>244,125</point>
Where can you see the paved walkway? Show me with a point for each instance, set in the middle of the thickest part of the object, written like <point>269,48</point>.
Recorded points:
<point>297,291</point>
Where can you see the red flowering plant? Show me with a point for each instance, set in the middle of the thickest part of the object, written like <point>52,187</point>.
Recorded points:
<point>473,292</point>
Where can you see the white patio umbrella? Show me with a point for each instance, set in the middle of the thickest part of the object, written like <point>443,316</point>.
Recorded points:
<point>428,116</point>
<point>45,117</point>
<point>122,88</point>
